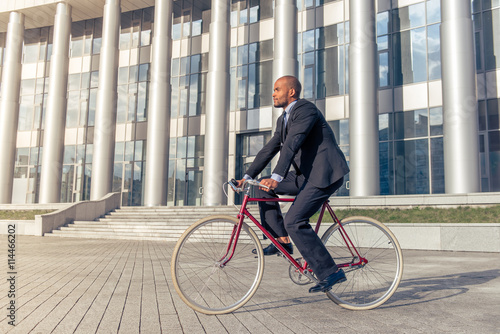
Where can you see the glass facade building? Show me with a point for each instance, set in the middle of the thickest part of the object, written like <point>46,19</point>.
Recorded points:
<point>415,124</point>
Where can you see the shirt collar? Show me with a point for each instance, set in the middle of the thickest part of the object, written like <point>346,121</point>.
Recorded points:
<point>290,106</point>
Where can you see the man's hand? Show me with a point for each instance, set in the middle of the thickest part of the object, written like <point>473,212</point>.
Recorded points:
<point>239,183</point>
<point>272,184</point>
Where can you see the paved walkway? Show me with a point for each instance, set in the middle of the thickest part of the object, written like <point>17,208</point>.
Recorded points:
<point>109,286</point>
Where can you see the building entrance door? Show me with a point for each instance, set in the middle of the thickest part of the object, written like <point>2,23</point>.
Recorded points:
<point>193,186</point>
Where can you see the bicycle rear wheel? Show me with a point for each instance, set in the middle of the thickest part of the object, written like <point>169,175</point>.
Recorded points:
<point>198,276</point>
<point>368,285</point>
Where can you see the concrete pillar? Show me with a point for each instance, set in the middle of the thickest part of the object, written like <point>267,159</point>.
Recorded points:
<point>217,118</point>
<point>105,114</point>
<point>55,116</point>
<point>285,45</point>
<point>460,121</point>
<point>155,189</point>
<point>363,100</point>
<point>9,105</point>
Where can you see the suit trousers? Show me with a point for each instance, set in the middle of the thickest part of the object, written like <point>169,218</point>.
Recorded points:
<point>308,201</point>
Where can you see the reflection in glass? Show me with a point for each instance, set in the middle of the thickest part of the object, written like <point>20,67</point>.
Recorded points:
<point>434,51</point>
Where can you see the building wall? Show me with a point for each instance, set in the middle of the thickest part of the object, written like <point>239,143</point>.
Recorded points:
<point>410,97</point>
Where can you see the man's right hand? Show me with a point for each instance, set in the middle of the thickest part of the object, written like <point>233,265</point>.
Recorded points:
<point>239,183</point>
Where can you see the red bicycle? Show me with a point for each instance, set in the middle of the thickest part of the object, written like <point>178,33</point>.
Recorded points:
<point>214,270</point>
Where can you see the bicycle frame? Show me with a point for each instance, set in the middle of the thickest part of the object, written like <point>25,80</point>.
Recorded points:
<point>302,268</point>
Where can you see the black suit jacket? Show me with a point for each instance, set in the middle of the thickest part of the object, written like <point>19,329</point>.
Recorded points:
<point>308,142</point>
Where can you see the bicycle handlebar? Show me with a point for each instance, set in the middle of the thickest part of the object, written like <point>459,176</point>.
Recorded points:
<point>234,184</point>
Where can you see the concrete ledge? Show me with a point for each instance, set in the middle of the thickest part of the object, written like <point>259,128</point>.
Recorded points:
<point>409,201</point>
<point>448,237</point>
<point>87,210</point>
<point>66,213</point>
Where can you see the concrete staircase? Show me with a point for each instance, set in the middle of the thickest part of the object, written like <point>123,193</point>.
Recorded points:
<point>144,223</point>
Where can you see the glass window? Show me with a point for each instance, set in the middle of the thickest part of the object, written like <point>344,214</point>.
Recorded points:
<point>494,157</point>
<point>382,23</point>
<point>411,167</point>
<point>176,31</point>
<point>117,177</point>
<point>386,168</point>
<point>243,55</point>
<point>138,155</point>
<point>142,98</point>
<point>433,11</point>
<point>493,110</point>
<point>409,53</point>
<point>119,147</point>
<point>266,50</point>
<point>491,39</point>
<point>144,72</point>
<point>69,154</point>
<point>384,78</point>
<point>72,109</point>
<point>434,51</point>
<point>22,156</point>
<point>254,14</point>
<point>30,53</point>
<point>175,67</point>
<point>194,95</point>
<point>383,43</point>
<point>74,81</point>
<point>330,74</point>
<point>410,124</point>
<point>437,165</point>
<point>385,126</point>
<point>329,36</point>
<point>94,79</point>
<point>134,70</point>
<point>184,62</point>
<point>122,75</point>
<point>92,106</point>
<point>436,121</point>
<point>481,107</point>
<point>181,147</point>
<point>308,41</point>
<point>408,17</point>
<point>253,119</point>
<point>129,151</point>
<point>195,63</point>
<point>264,89</point>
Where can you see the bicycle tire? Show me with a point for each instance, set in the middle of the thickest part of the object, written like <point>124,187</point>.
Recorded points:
<point>204,285</point>
<point>370,285</point>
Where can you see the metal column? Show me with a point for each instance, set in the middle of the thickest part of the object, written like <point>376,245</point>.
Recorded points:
<point>105,114</point>
<point>9,106</point>
<point>363,100</point>
<point>460,121</point>
<point>155,190</point>
<point>285,45</point>
<point>55,117</point>
<point>217,117</point>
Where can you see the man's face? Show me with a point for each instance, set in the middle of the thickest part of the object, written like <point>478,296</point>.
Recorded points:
<point>282,94</point>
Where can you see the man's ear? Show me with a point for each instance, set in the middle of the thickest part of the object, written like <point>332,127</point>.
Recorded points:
<point>291,92</point>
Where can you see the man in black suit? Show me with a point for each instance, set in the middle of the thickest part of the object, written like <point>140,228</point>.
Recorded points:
<point>305,141</point>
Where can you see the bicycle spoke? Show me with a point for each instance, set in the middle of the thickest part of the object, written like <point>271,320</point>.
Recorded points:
<point>371,284</point>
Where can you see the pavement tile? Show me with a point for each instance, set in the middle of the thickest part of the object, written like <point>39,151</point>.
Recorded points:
<point>122,286</point>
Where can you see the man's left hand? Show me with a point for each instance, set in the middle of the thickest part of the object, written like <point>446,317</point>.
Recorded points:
<point>272,184</point>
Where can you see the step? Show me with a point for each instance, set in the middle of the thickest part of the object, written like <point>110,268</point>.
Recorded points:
<point>144,223</point>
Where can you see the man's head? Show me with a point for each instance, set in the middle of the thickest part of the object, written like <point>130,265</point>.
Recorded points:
<point>286,90</point>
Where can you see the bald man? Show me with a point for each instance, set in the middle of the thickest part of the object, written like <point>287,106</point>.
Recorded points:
<point>306,142</point>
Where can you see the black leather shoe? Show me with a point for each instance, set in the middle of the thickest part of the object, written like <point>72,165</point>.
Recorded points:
<point>271,249</point>
<point>327,283</point>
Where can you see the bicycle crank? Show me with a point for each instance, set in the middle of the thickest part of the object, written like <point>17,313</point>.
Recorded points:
<point>297,277</point>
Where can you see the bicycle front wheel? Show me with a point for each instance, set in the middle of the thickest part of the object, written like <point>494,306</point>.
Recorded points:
<point>368,284</point>
<point>200,278</point>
